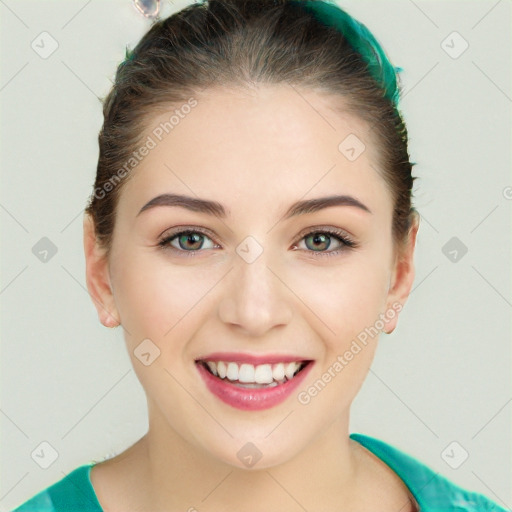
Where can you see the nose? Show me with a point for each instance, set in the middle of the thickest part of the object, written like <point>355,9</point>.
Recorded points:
<point>256,298</point>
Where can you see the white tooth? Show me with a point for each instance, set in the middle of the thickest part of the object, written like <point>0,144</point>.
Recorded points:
<point>291,368</point>
<point>212,366</point>
<point>263,374</point>
<point>221,369</point>
<point>232,372</point>
<point>278,371</point>
<point>246,373</point>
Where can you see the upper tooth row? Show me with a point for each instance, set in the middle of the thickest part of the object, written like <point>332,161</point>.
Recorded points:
<point>261,374</point>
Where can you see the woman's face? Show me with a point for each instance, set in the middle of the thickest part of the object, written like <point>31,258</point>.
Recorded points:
<point>257,280</point>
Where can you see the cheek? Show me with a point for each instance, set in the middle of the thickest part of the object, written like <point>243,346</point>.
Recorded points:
<point>154,295</point>
<point>345,305</point>
<point>159,301</point>
<point>344,298</point>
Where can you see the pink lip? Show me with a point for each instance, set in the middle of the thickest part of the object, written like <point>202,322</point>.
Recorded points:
<point>250,399</point>
<point>252,359</point>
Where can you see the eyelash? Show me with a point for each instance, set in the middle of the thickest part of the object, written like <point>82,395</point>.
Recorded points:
<point>342,237</point>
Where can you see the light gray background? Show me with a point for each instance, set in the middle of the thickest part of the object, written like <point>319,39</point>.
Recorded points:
<point>442,376</point>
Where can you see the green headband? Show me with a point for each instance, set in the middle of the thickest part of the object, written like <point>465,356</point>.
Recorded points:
<point>362,41</point>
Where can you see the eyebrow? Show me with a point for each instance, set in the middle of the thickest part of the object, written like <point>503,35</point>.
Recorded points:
<point>216,209</point>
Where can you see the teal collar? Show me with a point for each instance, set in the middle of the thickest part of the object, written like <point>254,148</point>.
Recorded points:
<point>432,491</point>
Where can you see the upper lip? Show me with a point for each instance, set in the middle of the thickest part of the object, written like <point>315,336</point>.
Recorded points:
<point>240,358</point>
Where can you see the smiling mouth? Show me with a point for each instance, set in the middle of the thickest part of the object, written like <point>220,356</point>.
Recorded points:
<point>253,376</point>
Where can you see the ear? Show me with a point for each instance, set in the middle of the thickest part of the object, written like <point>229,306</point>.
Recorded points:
<point>402,276</point>
<point>97,276</point>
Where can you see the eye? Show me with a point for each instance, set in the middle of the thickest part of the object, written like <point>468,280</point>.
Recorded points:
<point>320,240</point>
<point>186,241</point>
<point>189,242</point>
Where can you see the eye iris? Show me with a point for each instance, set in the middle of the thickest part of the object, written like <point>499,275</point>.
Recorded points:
<point>194,238</point>
<point>320,238</point>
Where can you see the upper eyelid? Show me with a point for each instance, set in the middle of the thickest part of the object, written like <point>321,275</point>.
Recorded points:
<point>178,230</point>
<point>181,229</point>
<point>322,228</point>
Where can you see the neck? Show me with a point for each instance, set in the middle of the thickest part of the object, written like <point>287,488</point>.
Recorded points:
<point>179,475</point>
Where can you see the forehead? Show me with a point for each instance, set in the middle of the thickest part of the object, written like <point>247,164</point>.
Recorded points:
<point>247,148</point>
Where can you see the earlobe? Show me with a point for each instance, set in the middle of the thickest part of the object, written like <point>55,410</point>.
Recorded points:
<point>97,276</point>
<point>402,278</point>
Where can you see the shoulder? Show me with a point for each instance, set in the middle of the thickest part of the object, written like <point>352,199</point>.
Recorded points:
<point>74,493</point>
<point>433,491</point>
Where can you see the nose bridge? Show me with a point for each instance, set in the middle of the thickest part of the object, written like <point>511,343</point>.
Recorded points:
<point>254,276</point>
<point>256,300</point>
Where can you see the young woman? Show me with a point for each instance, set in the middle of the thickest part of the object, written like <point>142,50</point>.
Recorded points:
<point>251,229</point>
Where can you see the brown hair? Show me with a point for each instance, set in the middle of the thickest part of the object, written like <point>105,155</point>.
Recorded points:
<point>239,43</point>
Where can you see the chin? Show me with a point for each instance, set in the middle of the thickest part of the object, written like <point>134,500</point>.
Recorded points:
<point>257,451</point>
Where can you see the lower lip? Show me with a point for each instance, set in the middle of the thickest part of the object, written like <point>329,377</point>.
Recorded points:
<point>251,399</point>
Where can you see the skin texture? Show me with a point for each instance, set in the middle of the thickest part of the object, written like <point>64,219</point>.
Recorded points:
<point>255,152</point>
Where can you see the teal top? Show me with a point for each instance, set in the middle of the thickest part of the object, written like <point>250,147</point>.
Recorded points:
<point>432,492</point>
